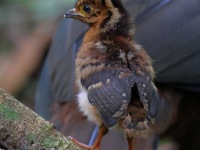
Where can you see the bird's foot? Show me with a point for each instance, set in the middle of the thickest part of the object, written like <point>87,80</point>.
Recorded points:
<point>130,143</point>
<point>83,145</point>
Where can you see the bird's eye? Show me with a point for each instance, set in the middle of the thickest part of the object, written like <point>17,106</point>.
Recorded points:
<point>87,9</point>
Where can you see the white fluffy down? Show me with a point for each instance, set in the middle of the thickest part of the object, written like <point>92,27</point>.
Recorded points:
<point>87,109</point>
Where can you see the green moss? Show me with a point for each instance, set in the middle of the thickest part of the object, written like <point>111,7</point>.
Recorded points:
<point>31,137</point>
<point>8,113</point>
<point>46,128</point>
<point>51,142</point>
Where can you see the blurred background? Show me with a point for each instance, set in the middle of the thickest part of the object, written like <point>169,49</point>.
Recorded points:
<point>26,31</point>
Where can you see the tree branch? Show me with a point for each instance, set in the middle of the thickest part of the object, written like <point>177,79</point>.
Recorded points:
<point>21,128</point>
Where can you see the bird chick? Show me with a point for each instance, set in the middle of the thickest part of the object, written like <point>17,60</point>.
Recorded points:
<point>114,74</point>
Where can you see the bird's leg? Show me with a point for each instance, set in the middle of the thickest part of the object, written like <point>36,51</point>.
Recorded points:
<point>102,131</point>
<point>130,143</point>
<point>96,146</point>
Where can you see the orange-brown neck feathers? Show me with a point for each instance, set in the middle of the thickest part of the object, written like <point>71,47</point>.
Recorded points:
<point>113,20</point>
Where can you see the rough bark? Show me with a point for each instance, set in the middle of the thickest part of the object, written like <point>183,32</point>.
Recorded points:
<point>22,129</point>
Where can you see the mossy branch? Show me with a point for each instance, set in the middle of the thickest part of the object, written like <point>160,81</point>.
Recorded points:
<point>21,128</point>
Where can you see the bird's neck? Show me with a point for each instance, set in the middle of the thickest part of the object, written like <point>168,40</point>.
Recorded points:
<point>113,24</point>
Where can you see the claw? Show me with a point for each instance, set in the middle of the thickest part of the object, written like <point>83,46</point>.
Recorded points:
<point>80,144</point>
<point>96,146</point>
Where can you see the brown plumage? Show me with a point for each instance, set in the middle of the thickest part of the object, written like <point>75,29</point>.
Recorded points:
<point>113,73</point>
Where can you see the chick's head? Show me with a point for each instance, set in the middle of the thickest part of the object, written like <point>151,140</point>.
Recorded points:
<point>92,11</point>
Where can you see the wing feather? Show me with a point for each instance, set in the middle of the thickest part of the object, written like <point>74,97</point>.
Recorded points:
<point>148,94</point>
<point>109,93</point>
<point>110,90</point>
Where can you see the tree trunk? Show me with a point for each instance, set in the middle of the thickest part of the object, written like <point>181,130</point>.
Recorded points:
<point>22,129</point>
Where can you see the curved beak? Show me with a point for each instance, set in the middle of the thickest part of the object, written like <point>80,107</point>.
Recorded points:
<point>71,13</point>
